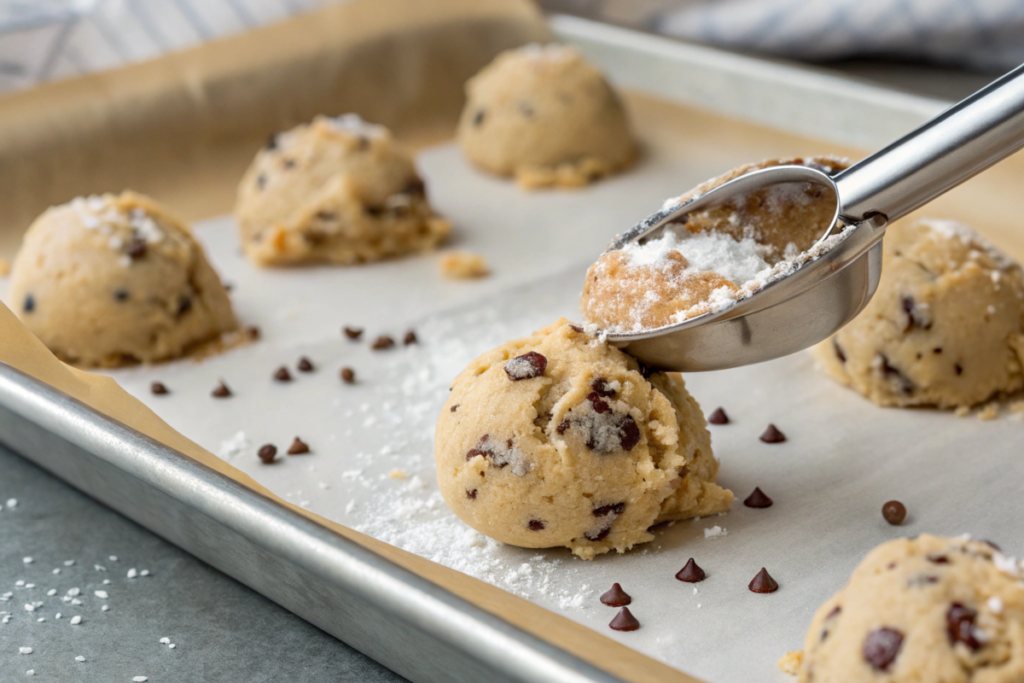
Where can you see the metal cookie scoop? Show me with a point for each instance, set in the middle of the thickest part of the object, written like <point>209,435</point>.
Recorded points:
<point>828,290</point>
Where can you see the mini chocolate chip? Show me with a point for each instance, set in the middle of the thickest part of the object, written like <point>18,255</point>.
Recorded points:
<point>121,295</point>
<point>599,404</point>
<point>221,391</point>
<point>605,510</point>
<point>629,433</point>
<point>536,525</point>
<point>478,117</point>
<point>894,512</point>
<point>881,647</point>
<point>600,387</point>
<point>840,354</point>
<point>576,328</point>
<point>527,366</point>
<point>261,180</point>
<point>352,332</point>
<point>374,210</point>
<point>282,374</point>
<point>471,494</point>
<point>624,621</point>
<point>772,435</point>
<point>348,375</point>
<point>598,535</point>
<point>267,453</point>
<point>159,389</point>
<point>616,597</point>
<point>562,426</point>
<point>834,611</point>
<point>382,342</point>
<point>455,407</point>
<point>892,372</point>
<point>305,365</point>
<point>288,163</point>
<point>907,304</point>
<point>29,304</point>
<point>718,417</point>
<point>937,350</point>
<point>691,572</point>
<point>958,368</point>
<point>298,447</point>
<point>937,559</point>
<point>763,583</point>
<point>136,249</point>
<point>410,338</point>
<point>960,625</point>
<point>758,499</point>
<point>253,332</point>
<point>184,305</point>
<point>326,215</point>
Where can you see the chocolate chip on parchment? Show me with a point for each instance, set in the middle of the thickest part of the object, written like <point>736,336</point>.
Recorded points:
<point>536,525</point>
<point>763,583</point>
<point>298,447</point>
<point>691,572</point>
<point>253,333</point>
<point>624,621</point>
<point>267,453</point>
<point>894,512</point>
<point>159,389</point>
<point>282,374</point>
<point>382,342</point>
<point>136,249</point>
<point>527,366</point>
<point>758,499</point>
<point>772,435</point>
<point>221,390</point>
<point>616,597</point>
<point>881,647</point>
<point>29,304</point>
<point>471,494</point>
<point>352,332</point>
<point>718,417</point>
<point>305,365</point>
<point>348,375</point>
<point>960,625</point>
<point>410,338</point>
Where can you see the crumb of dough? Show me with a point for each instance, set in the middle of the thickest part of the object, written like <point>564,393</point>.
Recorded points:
<point>397,473</point>
<point>791,661</point>
<point>5,267</point>
<point>962,411</point>
<point>464,265</point>
<point>989,412</point>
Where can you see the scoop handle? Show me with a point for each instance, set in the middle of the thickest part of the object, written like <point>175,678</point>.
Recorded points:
<point>957,144</point>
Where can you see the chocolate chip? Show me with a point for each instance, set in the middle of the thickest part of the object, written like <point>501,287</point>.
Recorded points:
<point>772,435</point>
<point>832,614</point>
<point>121,295</point>
<point>834,611</point>
<point>382,342</point>
<point>893,373</point>
<point>374,210</point>
<point>600,387</point>
<point>576,328</point>
<point>629,433</point>
<point>718,417</point>
<point>937,350</point>
<point>599,404</point>
<point>881,647</point>
<point>527,366</point>
<point>937,559</point>
<point>763,583</point>
<point>624,621</point>
<point>298,447</point>
<point>29,304</point>
<point>253,332</point>
<point>410,338</point>
<point>471,494</point>
<point>562,426</point>
<point>159,389</point>
<point>305,365</point>
<point>616,597</point>
<point>536,525</point>
<point>758,499</point>
<point>288,163</point>
<point>272,142</point>
<point>348,375</point>
<point>136,249</point>
<point>691,572</point>
<point>184,305</point>
<point>352,332</point>
<point>282,374</point>
<point>478,118</point>
<point>605,510</point>
<point>261,180</point>
<point>960,625</point>
<point>958,368</point>
<point>221,391</point>
<point>894,512</point>
<point>907,304</point>
<point>326,216</point>
<point>455,407</point>
<point>839,351</point>
<point>415,186</point>
<point>992,545</point>
<point>600,534</point>
<point>267,453</point>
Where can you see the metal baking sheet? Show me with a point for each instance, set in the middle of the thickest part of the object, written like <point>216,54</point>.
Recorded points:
<point>372,463</point>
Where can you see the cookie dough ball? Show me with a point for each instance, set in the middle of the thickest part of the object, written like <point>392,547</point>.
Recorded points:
<point>713,258</point>
<point>944,327</point>
<point>116,279</point>
<point>545,116</point>
<point>337,190</point>
<point>929,609</point>
<point>560,440</point>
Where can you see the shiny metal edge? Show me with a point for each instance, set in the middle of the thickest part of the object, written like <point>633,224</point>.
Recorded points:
<point>400,619</point>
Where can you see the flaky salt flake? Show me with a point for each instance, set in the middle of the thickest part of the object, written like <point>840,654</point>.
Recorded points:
<point>715,532</point>
<point>140,679</point>
<point>144,572</point>
<point>112,558</point>
<point>76,620</point>
<point>995,604</point>
<point>27,560</point>
<point>165,640</point>
<point>132,573</point>
<point>12,502</point>
<point>24,650</point>
<point>102,595</point>
<point>79,658</point>
<point>105,608</point>
<point>74,592</point>
<point>51,592</point>
<point>171,646</point>
<point>69,563</point>
<point>30,672</point>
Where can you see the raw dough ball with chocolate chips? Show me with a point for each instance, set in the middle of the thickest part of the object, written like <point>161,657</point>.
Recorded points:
<point>714,258</point>
<point>545,116</point>
<point>336,190</point>
<point>559,440</point>
<point>943,329</point>
<point>927,609</point>
<point>116,279</point>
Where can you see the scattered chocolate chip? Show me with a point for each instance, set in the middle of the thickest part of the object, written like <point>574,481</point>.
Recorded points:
<point>288,163</point>
<point>960,625</point>
<point>267,453</point>
<point>136,249</point>
<point>605,510</point>
<point>29,304</point>
<point>624,621</point>
<point>305,365</point>
<point>616,597</point>
<point>691,572</point>
<point>958,368</point>
<point>526,366</point>
<point>718,417</point>
<point>326,215</point>
<point>455,407</point>
<point>600,387</point>
<point>840,354</point>
<point>758,499</point>
<point>894,512</point>
<point>348,375</point>
<point>221,391</point>
<point>478,117</point>
<point>253,332</point>
<point>410,338</point>
<point>121,295</point>
<point>184,305</point>
<point>772,435</point>
<point>352,332</point>
<point>382,342</point>
<point>763,583</point>
<point>159,389</point>
<point>471,494</point>
<point>298,447</point>
<point>881,647</point>
<point>536,525</point>
<point>282,374</point>
<point>261,180</point>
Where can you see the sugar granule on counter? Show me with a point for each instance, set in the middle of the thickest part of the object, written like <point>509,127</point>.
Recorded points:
<point>27,560</point>
<point>79,659</point>
<point>76,620</point>
<point>102,595</point>
<point>25,650</point>
<point>715,532</point>
<point>132,573</point>
<point>12,503</point>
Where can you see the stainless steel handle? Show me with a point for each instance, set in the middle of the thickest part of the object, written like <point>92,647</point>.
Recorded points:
<point>957,144</point>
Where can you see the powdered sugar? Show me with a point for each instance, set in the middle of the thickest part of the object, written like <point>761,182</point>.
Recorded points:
<point>738,261</point>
